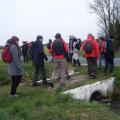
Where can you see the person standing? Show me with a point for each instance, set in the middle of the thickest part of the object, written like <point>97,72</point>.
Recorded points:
<point>15,66</point>
<point>24,51</point>
<point>48,46</point>
<point>38,57</point>
<point>90,46</point>
<point>76,56</point>
<point>72,39</point>
<point>66,67</point>
<point>109,56</point>
<point>102,49</point>
<point>58,49</point>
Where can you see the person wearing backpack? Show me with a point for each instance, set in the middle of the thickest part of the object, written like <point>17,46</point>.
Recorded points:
<point>58,49</point>
<point>102,49</point>
<point>76,48</point>
<point>109,56</point>
<point>48,46</point>
<point>38,57</point>
<point>72,39</point>
<point>15,66</point>
<point>91,49</point>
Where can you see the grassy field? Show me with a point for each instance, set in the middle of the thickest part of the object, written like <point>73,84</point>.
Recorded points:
<point>41,103</point>
<point>28,72</point>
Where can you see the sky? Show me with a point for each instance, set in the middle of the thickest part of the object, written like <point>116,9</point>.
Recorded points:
<point>29,18</point>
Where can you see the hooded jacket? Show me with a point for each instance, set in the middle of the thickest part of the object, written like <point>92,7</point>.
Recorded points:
<point>95,52</point>
<point>15,67</point>
<point>38,54</point>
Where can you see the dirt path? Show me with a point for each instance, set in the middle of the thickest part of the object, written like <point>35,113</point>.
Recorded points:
<point>73,80</point>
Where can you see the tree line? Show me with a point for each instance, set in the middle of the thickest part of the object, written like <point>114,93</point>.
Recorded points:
<point>108,12</point>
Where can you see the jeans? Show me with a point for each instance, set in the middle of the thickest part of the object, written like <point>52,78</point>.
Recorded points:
<point>101,60</point>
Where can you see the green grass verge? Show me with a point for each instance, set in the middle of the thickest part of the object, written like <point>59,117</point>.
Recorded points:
<point>39,103</point>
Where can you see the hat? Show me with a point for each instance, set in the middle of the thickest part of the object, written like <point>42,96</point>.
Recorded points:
<point>58,35</point>
<point>50,40</point>
<point>14,38</point>
<point>39,37</point>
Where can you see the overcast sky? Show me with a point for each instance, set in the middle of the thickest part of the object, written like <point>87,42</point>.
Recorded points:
<point>28,18</point>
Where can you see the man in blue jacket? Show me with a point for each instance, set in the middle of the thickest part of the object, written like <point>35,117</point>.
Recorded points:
<point>38,57</point>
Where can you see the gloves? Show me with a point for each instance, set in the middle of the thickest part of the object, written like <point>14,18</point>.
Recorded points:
<point>46,58</point>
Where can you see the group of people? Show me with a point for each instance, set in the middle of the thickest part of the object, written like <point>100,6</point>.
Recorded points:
<point>73,50</point>
<point>26,51</point>
<point>61,53</point>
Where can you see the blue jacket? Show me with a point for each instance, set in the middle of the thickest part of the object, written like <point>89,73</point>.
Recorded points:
<point>38,54</point>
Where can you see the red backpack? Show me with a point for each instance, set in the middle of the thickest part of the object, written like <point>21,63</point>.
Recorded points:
<point>6,55</point>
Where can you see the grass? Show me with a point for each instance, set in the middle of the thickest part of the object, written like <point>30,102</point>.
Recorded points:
<point>4,79</point>
<point>117,75</point>
<point>40,103</point>
<point>28,72</point>
<point>44,104</point>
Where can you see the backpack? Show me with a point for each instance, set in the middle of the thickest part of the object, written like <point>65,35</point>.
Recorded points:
<point>58,47</point>
<point>6,54</point>
<point>88,48</point>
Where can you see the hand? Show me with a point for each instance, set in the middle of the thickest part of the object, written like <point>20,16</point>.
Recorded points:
<point>18,70</point>
<point>46,59</point>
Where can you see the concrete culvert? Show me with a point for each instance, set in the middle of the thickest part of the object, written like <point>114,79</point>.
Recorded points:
<point>96,96</point>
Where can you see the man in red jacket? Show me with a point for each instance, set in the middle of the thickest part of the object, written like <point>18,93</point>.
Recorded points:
<point>91,48</point>
<point>58,49</point>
